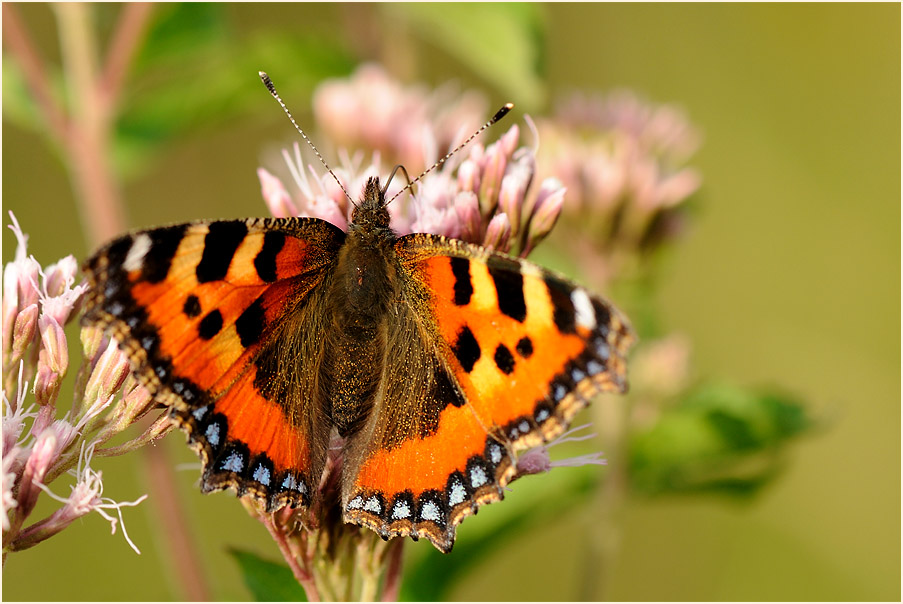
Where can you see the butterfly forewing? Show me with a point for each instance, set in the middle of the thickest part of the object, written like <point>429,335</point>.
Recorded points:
<point>200,309</point>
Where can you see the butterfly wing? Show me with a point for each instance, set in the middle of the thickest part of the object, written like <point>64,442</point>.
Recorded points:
<point>487,355</point>
<point>210,313</point>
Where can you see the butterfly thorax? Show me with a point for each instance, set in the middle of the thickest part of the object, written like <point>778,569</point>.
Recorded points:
<point>363,291</point>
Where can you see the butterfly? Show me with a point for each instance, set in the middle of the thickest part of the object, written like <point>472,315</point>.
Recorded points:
<point>434,360</point>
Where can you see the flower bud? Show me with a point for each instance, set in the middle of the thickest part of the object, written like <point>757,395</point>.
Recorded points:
<point>43,453</point>
<point>546,210</point>
<point>7,482</point>
<point>24,332</point>
<point>467,207</point>
<point>109,373</point>
<point>468,176</point>
<point>498,233</point>
<point>91,339</point>
<point>53,360</point>
<point>20,279</point>
<point>493,170</point>
<point>512,195</point>
<point>276,197</point>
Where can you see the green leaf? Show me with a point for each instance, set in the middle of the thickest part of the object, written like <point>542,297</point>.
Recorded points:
<point>195,72</point>
<point>500,42</point>
<point>268,581</point>
<point>719,439</point>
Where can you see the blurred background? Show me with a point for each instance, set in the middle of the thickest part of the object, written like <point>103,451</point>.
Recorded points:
<point>784,275</point>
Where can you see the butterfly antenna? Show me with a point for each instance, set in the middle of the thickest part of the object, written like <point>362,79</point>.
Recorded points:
<point>272,88</point>
<point>498,115</point>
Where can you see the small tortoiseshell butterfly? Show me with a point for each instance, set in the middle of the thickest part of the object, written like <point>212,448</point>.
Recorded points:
<point>434,359</point>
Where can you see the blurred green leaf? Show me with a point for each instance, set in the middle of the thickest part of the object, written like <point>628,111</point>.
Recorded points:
<point>501,42</point>
<point>18,106</point>
<point>268,581</point>
<point>195,72</point>
<point>718,438</point>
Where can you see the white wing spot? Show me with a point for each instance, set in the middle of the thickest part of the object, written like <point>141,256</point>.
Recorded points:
<point>289,483</point>
<point>401,511</point>
<point>430,511</point>
<point>595,367</point>
<point>457,494</point>
<point>559,392</point>
<point>372,505</point>
<point>233,463</point>
<point>602,350</point>
<point>495,453</point>
<point>116,308</point>
<point>356,503</point>
<point>524,426</point>
<point>199,413</point>
<point>134,260</point>
<point>262,475</point>
<point>542,415</point>
<point>586,316</point>
<point>212,434</point>
<point>477,477</point>
<point>577,375</point>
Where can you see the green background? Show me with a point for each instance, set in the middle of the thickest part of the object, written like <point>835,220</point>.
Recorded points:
<point>789,276</point>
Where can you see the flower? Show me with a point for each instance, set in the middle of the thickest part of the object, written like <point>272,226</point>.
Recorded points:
<point>487,199</point>
<point>623,160</point>
<point>537,459</point>
<point>86,497</point>
<point>372,111</point>
<point>39,446</point>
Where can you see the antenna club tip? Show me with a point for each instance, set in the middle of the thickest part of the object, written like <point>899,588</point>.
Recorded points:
<point>267,82</point>
<point>502,112</point>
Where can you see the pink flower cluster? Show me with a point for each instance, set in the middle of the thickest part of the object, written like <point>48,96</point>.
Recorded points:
<point>38,447</point>
<point>623,161</point>
<point>484,194</point>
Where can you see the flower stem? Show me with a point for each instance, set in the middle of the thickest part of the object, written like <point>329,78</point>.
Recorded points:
<point>301,575</point>
<point>392,585</point>
<point>87,143</point>
<point>603,538</point>
<point>182,552</point>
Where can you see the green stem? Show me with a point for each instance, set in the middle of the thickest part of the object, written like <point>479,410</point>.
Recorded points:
<point>603,537</point>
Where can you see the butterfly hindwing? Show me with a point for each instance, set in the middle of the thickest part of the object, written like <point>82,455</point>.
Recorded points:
<point>490,355</point>
<point>209,315</point>
<point>423,460</point>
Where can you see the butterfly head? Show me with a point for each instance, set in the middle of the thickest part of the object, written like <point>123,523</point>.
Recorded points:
<point>371,212</point>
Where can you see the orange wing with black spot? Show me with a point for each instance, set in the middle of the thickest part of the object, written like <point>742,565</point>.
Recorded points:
<point>489,355</point>
<point>210,314</point>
